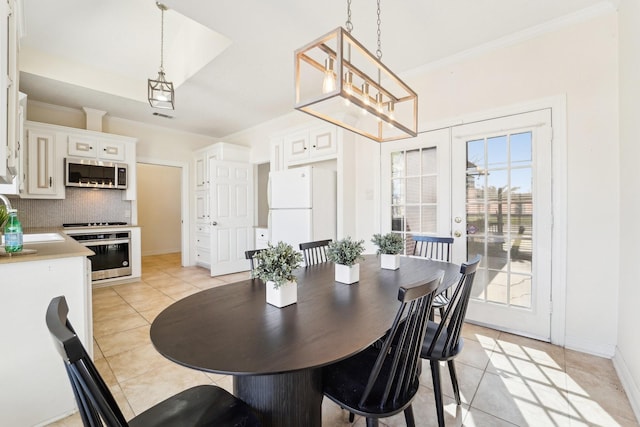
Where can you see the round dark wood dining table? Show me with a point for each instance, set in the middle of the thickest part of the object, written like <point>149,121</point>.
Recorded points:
<point>275,354</point>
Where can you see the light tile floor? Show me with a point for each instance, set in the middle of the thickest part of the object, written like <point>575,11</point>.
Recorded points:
<point>505,380</point>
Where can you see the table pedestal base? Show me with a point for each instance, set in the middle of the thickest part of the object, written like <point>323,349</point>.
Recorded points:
<point>291,399</point>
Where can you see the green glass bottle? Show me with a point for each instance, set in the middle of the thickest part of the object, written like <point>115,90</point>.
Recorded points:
<point>13,233</point>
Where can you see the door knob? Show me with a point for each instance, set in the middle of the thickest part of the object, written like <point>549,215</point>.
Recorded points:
<point>457,234</point>
<point>458,220</point>
<point>214,223</point>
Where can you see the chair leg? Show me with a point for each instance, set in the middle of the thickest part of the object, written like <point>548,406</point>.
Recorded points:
<point>372,422</point>
<point>408,416</point>
<point>437,391</point>
<point>352,417</point>
<point>441,312</point>
<point>454,381</point>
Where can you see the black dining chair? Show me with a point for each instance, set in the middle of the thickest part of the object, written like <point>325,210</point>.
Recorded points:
<point>198,406</point>
<point>443,340</point>
<point>249,255</point>
<point>439,249</point>
<point>315,252</point>
<point>382,380</point>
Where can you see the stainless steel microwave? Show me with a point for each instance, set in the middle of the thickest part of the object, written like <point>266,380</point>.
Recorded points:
<point>90,173</point>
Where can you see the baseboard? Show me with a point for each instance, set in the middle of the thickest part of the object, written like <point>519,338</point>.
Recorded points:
<point>590,347</point>
<point>630,386</point>
<point>161,252</point>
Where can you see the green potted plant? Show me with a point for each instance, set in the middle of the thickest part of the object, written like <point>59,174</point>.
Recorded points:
<point>345,253</point>
<point>275,267</point>
<point>390,246</point>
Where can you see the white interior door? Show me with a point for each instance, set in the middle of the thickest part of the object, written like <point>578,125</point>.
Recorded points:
<point>231,210</point>
<point>416,186</point>
<point>502,210</point>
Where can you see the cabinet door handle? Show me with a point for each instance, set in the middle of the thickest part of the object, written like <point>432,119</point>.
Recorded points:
<point>50,181</point>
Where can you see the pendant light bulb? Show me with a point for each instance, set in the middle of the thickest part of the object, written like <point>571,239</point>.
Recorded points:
<point>365,96</point>
<point>348,86</point>
<point>329,82</point>
<point>379,106</point>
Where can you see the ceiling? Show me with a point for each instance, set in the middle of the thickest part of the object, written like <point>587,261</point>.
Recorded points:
<point>232,61</point>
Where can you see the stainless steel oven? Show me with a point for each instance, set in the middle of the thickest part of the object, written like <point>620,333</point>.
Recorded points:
<point>112,252</point>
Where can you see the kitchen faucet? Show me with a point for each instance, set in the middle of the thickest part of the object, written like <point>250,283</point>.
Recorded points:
<point>6,201</point>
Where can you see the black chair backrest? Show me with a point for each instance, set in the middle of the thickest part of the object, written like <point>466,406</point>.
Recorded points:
<point>315,252</point>
<point>400,351</point>
<point>448,332</point>
<point>95,401</point>
<point>438,248</point>
<point>249,255</point>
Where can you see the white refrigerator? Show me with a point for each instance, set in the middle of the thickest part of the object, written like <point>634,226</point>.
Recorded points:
<point>302,205</point>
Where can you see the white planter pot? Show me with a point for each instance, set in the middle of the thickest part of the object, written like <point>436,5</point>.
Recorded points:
<point>285,295</point>
<point>390,262</point>
<point>347,274</point>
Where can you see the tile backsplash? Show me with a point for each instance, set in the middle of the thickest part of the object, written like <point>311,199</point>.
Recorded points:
<point>80,205</point>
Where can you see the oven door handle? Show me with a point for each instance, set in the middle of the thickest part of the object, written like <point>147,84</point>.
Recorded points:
<point>104,242</point>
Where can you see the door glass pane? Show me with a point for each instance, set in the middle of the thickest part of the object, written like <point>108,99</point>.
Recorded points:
<point>475,154</point>
<point>397,164</point>
<point>413,190</point>
<point>497,151</point>
<point>413,219</point>
<point>499,217</point>
<point>397,218</point>
<point>414,193</point>
<point>413,163</point>
<point>429,189</point>
<point>429,217</point>
<point>397,191</point>
<point>429,162</point>
<point>521,148</point>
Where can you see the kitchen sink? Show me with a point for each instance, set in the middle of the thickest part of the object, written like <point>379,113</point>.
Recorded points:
<point>40,238</point>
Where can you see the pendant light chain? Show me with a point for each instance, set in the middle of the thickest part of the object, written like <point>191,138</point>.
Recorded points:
<point>379,51</point>
<point>161,35</point>
<point>349,25</point>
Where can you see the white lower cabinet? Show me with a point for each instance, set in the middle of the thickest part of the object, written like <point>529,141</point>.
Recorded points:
<point>36,389</point>
<point>203,245</point>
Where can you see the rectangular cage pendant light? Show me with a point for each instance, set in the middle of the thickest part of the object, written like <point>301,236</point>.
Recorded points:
<point>338,80</point>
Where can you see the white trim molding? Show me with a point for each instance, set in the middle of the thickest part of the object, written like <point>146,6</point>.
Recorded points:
<point>558,106</point>
<point>630,386</point>
<point>185,227</point>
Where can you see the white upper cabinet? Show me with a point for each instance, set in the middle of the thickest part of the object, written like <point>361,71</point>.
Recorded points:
<point>48,146</point>
<point>44,173</point>
<point>310,145</point>
<point>9,96</point>
<point>83,146</point>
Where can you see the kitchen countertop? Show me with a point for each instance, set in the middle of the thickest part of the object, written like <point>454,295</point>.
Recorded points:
<point>49,250</point>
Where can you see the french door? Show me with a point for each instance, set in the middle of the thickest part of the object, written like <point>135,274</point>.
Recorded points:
<point>231,211</point>
<point>488,185</point>
<point>501,209</point>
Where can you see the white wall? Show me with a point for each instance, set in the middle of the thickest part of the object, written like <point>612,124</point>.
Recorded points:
<point>627,360</point>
